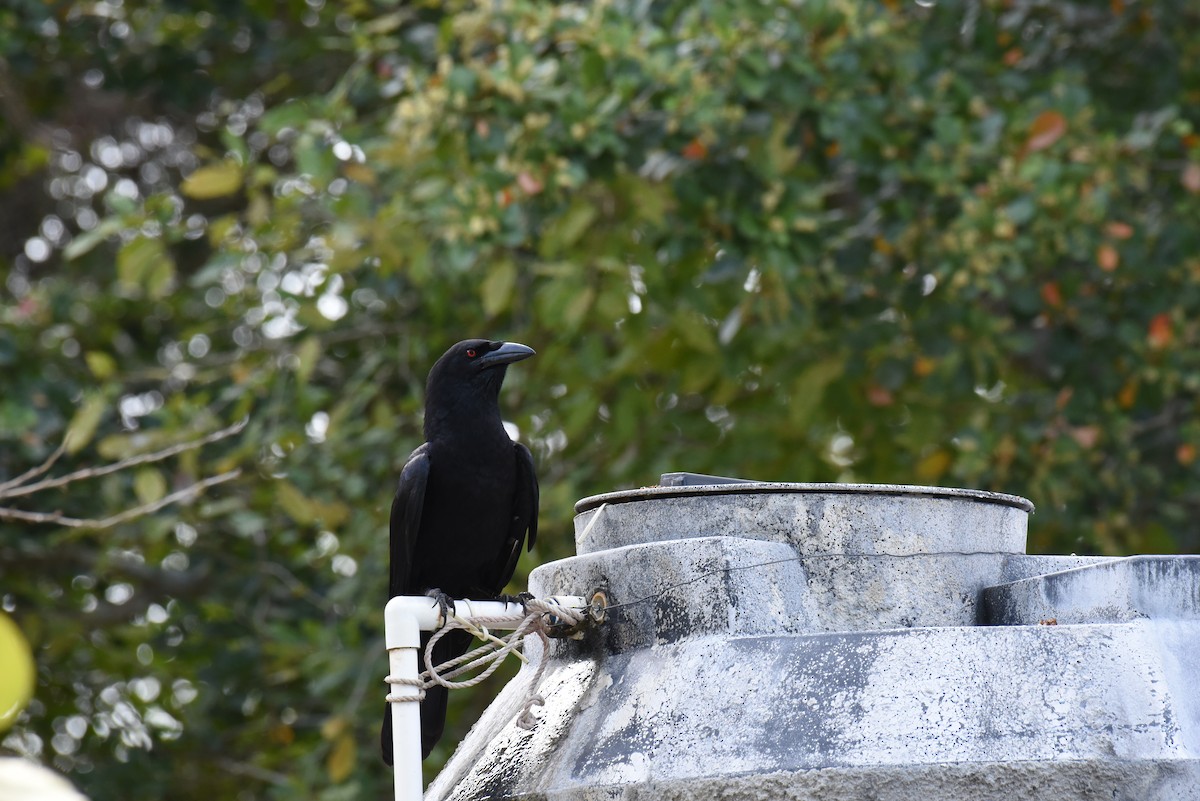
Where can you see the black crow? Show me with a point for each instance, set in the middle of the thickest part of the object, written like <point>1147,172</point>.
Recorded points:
<point>467,500</point>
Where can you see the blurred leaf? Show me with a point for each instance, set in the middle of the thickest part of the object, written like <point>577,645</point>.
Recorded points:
<point>294,502</point>
<point>577,307</point>
<point>1160,332</point>
<point>341,761</point>
<point>149,485</point>
<point>695,150</point>
<point>293,114</point>
<point>931,468</point>
<point>1047,128</point>
<point>332,513</point>
<point>306,510</point>
<point>308,353</point>
<point>89,239</point>
<point>1190,177</point>
<point>333,727</point>
<point>213,181</point>
<point>566,230</point>
<point>83,425</point>
<point>101,364</point>
<point>1107,257</point>
<point>808,390</point>
<point>1118,230</point>
<point>497,287</point>
<point>160,277</point>
<point>694,330</point>
<point>144,264</point>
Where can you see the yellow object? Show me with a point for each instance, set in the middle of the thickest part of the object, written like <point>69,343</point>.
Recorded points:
<point>16,672</point>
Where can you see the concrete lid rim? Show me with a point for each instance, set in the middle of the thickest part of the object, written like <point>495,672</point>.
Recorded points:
<point>592,502</point>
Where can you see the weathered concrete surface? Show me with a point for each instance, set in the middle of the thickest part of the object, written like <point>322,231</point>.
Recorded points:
<point>755,587</point>
<point>716,707</point>
<point>876,519</point>
<point>1155,587</point>
<point>820,644</point>
<point>1083,780</point>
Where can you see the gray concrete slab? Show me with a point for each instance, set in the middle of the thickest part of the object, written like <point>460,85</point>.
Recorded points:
<point>878,519</point>
<point>753,587</point>
<point>826,642</point>
<point>1120,590</point>
<point>715,707</point>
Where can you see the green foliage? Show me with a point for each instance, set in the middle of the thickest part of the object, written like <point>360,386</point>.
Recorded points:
<point>835,241</point>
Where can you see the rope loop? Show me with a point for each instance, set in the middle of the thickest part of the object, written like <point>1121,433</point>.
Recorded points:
<point>401,680</point>
<point>537,617</point>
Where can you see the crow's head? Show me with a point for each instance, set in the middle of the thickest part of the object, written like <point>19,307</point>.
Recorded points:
<point>473,370</point>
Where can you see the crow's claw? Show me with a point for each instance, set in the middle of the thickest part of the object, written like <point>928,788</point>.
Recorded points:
<point>445,603</point>
<point>520,598</point>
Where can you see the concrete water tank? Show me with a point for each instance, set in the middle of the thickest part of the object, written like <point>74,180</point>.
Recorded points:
<point>829,641</point>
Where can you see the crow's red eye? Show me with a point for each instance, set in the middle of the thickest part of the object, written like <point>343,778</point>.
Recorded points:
<point>471,353</point>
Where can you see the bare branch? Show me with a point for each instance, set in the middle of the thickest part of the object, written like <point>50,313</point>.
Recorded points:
<point>298,587</point>
<point>34,472</point>
<point>133,461</point>
<point>35,517</point>
<point>254,772</point>
<point>58,518</point>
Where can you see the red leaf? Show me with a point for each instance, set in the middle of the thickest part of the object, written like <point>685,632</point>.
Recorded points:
<point>878,396</point>
<point>695,150</point>
<point>528,183</point>
<point>1119,230</point>
<point>1160,333</point>
<point>1047,129</point>
<point>1128,395</point>
<point>1191,177</point>
<point>1108,258</point>
<point>1086,436</point>
<point>1051,294</point>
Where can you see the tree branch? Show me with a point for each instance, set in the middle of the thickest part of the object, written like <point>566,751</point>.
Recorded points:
<point>254,772</point>
<point>8,490</point>
<point>59,519</point>
<point>34,472</point>
<point>293,583</point>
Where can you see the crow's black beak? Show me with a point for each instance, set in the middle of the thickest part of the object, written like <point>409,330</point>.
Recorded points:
<point>507,353</point>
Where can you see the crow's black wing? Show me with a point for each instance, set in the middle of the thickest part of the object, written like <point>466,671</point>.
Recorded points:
<point>406,521</point>
<point>403,527</point>
<point>525,513</point>
<point>524,519</point>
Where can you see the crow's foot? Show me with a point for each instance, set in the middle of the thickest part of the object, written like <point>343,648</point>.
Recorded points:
<point>445,603</point>
<point>520,598</point>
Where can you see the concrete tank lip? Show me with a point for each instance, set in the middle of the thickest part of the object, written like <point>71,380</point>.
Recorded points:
<point>786,488</point>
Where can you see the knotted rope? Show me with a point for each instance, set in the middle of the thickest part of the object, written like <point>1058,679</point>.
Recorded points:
<point>537,616</point>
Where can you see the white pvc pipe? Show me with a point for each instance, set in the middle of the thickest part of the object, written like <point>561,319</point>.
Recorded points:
<point>404,618</point>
